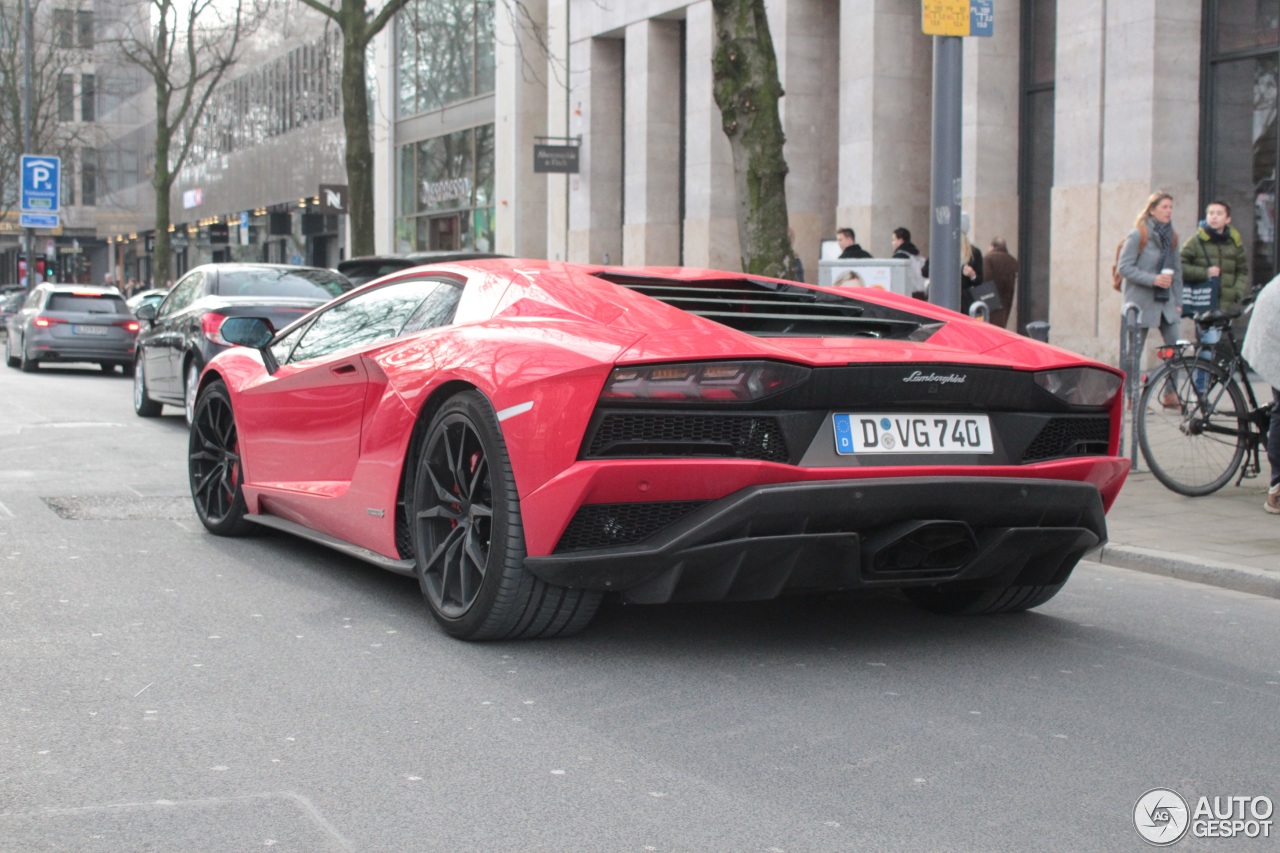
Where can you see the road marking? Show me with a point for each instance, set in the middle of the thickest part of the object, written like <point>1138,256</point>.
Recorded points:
<point>5,513</point>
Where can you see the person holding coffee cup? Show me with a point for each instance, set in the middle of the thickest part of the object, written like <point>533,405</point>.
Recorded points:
<point>1152,270</point>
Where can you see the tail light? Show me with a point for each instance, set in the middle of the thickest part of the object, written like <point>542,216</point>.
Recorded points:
<point>132,326</point>
<point>211,326</point>
<point>709,382</point>
<point>46,322</point>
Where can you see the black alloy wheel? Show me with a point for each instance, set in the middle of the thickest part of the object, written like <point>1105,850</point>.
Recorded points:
<point>214,466</point>
<point>468,538</point>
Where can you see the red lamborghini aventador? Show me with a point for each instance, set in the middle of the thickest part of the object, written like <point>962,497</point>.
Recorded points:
<point>525,437</point>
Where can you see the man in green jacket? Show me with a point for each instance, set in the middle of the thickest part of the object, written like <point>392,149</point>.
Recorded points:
<point>1216,250</point>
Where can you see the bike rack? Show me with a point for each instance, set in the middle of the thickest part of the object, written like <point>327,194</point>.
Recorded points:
<point>979,311</point>
<point>1131,364</point>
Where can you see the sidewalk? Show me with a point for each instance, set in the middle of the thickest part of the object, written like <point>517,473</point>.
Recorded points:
<point>1225,539</point>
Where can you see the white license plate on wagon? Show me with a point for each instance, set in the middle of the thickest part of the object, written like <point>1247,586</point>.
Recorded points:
<point>913,433</point>
<point>89,330</point>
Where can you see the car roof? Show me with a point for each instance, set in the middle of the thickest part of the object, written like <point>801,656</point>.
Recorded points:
<point>251,267</point>
<point>82,289</point>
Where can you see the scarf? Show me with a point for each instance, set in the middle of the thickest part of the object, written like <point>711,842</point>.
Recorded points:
<point>1164,232</point>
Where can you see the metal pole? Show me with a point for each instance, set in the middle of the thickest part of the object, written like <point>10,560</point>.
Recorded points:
<point>944,220</point>
<point>27,38</point>
<point>1131,364</point>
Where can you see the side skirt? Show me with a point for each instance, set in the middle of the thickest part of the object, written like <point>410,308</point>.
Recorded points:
<point>400,567</point>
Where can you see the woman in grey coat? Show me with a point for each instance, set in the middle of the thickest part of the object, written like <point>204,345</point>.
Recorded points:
<point>1262,351</point>
<point>1157,294</point>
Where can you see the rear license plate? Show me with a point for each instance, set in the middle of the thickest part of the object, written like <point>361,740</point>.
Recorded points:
<point>914,433</point>
<point>89,330</point>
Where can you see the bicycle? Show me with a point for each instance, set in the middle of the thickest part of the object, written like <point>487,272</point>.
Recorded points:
<point>1196,427</point>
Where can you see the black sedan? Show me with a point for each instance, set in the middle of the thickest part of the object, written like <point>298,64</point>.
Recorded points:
<point>182,333</point>
<point>369,267</point>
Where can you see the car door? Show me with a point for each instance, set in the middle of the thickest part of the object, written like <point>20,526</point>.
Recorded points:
<point>302,426</point>
<point>162,344</point>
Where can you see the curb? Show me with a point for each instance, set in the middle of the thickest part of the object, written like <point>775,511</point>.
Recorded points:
<point>1225,575</point>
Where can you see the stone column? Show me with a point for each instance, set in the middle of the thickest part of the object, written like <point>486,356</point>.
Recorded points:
<point>1126,124</point>
<point>382,128</point>
<point>520,101</point>
<point>807,45</point>
<point>886,67</point>
<point>989,162</point>
<point>595,193</point>
<point>711,222</point>
<point>651,214</point>
<point>557,81</point>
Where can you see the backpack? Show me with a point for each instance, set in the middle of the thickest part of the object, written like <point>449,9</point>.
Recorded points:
<point>1117,280</point>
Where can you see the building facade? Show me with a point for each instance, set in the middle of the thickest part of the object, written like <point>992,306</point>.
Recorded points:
<point>1073,114</point>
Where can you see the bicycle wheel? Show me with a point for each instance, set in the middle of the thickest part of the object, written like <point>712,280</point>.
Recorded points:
<point>1195,447</point>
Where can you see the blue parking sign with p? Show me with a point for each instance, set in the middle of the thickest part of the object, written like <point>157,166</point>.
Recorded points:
<point>41,183</point>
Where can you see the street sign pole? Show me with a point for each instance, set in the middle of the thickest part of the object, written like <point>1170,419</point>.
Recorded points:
<point>27,39</point>
<point>944,219</point>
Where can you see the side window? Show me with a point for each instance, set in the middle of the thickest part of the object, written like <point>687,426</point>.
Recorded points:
<point>183,294</point>
<point>372,316</point>
<point>36,299</point>
<point>282,347</point>
<point>436,310</point>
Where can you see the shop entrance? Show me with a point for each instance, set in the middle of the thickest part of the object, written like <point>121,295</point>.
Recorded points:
<point>444,233</point>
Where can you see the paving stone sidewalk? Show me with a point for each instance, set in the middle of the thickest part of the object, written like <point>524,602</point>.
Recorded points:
<point>1225,539</point>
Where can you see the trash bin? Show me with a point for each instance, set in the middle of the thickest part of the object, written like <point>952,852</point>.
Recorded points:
<point>1038,330</point>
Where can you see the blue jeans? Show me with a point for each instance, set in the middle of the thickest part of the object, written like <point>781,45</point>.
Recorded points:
<point>1208,341</point>
<point>1273,439</point>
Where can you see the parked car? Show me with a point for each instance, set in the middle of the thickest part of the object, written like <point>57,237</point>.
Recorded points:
<point>525,437</point>
<point>366,269</point>
<point>181,334</point>
<point>10,303</point>
<point>71,322</point>
<point>154,296</point>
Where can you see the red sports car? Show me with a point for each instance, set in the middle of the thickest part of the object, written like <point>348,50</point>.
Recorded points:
<point>525,437</point>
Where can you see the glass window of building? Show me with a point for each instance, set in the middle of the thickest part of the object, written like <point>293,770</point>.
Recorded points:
<point>88,97</point>
<point>66,97</point>
<point>446,192</point>
<point>84,28</point>
<point>1241,148</point>
<point>445,51</point>
<point>64,31</point>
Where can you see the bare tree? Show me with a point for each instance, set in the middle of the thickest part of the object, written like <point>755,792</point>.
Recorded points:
<point>747,90</point>
<point>358,25</point>
<point>185,49</point>
<point>55,56</point>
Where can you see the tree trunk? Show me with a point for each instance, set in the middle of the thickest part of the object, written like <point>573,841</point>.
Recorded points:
<point>162,181</point>
<point>359,155</point>
<point>745,77</point>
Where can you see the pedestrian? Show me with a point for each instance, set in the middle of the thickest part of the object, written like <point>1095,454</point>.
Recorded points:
<point>904,249</point>
<point>1262,351</point>
<point>1001,268</point>
<point>970,266</point>
<point>1151,268</point>
<point>848,242</point>
<point>1214,257</point>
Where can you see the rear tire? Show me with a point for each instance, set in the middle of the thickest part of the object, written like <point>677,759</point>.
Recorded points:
<point>468,538</point>
<point>28,365</point>
<point>214,468</point>
<point>143,405</point>
<point>945,598</point>
<point>9,358</point>
<point>189,390</point>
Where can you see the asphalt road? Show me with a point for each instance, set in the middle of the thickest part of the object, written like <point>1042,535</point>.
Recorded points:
<point>163,689</point>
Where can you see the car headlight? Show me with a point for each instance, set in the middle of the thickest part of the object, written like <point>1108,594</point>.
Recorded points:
<point>1081,386</point>
<point>709,382</point>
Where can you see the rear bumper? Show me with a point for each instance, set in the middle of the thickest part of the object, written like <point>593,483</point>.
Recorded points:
<point>767,540</point>
<point>48,348</point>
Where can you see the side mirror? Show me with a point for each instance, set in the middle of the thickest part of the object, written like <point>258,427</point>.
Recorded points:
<point>146,312</point>
<point>253,332</point>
